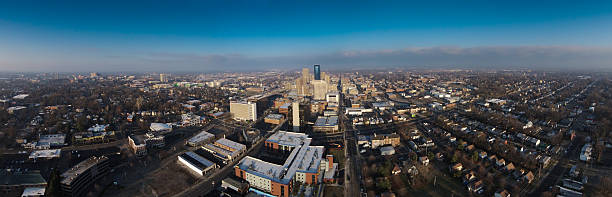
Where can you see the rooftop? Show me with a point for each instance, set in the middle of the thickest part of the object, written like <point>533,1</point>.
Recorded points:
<point>304,158</point>
<point>53,139</point>
<point>98,128</point>
<point>21,178</point>
<point>201,137</point>
<point>196,160</point>
<point>274,116</point>
<point>51,153</point>
<point>220,151</point>
<point>159,126</point>
<point>286,105</point>
<point>289,138</point>
<point>231,144</point>
<point>326,121</point>
<point>33,191</point>
<point>21,96</point>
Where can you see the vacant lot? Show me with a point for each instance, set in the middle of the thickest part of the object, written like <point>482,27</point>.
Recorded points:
<point>165,181</point>
<point>333,191</point>
<point>338,157</point>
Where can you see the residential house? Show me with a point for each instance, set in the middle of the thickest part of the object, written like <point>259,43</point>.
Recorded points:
<point>396,170</point>
<point>502,193</point>
<point>475,186</point>
<point>500,163</point>
<point>424,160</point>
<point>457,167</point>
<point>482,154</point>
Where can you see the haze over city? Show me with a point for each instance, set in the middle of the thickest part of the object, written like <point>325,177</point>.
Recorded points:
<point>206,36</point>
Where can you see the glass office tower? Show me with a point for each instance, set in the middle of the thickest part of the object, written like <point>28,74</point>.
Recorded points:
<point>317,72</point>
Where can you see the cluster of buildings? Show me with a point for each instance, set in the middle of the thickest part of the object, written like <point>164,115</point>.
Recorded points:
<point>47,142</point>
<point>210,156</point>
<point>379,140</point>
<point>190,119</point>
<point>316,86</point>
<point>95,134</point>
<point>305,164</point>
<point>153,139</point>
<point>225,150</point>
<point>140,143</point>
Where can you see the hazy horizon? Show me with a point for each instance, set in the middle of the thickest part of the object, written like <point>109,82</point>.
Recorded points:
<point>75,36</point>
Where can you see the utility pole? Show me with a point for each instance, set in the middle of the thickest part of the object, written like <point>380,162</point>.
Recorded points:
<point>435,178</point>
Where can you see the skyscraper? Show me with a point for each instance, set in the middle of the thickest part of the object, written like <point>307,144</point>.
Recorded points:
<point>317,72</point>
<point>306,75</point>
<point>163,78</point>
<point>320,89</point>
<point>295,111</point>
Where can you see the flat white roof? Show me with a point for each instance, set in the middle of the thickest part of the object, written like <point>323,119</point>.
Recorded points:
<point>261,168</point>
<point>289,138</point>
<point>231,144</point>
<point>21,96</point>
<point>159,126</point>
<point>197,160</point>
<point>51,153</point>
<point>308,159</point>
<point>33,191</point>
<point>201,137</point>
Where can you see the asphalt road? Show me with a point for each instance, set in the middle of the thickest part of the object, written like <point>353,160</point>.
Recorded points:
<point>353,163</point>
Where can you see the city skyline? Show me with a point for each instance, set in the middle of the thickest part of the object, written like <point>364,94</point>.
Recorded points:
<point>186,36</point>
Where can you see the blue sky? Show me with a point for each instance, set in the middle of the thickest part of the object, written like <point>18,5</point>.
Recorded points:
<point>251,35</point>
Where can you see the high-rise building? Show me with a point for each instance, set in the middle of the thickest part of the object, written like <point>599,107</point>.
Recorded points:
<point>296,116</point>
<point>306,75</point>
<point>299,86</point>
<point>320,89</point>
<point>324,76</point>
<point>317,72</point>
<point>243,110</point>
<point>163,78</point>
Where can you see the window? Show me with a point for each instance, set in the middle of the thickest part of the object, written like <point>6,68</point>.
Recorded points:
<point>313,179</point>
<point>282,187</point>
<point>242,174</point>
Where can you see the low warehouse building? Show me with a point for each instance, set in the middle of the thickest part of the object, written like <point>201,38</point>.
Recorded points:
<point>196,163</point>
